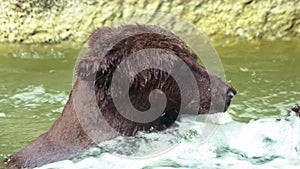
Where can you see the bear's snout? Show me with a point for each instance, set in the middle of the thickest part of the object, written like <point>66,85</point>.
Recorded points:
<point>231,92</point>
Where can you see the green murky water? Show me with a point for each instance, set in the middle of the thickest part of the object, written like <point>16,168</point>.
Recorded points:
<point>35,81</point>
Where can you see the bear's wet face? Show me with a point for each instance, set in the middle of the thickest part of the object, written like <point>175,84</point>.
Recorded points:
<point>104,66</point>
<point>162,81</point>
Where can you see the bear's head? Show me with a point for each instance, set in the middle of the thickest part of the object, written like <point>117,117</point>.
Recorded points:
<point>147,58</point>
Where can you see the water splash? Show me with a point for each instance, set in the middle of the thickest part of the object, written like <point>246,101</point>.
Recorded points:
<point>264,143</point>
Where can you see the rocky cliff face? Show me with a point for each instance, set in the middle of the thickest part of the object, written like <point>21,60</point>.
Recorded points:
<point>52,21</point>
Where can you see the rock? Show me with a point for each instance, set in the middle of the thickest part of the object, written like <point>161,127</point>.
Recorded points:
<point>248,19</point>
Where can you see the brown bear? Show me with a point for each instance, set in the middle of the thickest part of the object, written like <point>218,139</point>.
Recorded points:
<point>92,99</point>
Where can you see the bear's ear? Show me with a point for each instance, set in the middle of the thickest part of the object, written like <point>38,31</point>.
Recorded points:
<point>89,67</point>
<point>98,44</point>
<point>86,68</point>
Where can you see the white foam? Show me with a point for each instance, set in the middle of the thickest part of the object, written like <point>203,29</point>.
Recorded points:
<point>260,144</point>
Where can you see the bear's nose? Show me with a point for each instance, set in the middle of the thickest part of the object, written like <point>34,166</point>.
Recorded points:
<point>231,92</point>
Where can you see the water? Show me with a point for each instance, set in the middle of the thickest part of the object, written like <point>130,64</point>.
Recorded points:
<point>259,144</point>
<point>35,82</point>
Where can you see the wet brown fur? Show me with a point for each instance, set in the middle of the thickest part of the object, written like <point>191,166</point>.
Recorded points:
<point>66,138</point>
